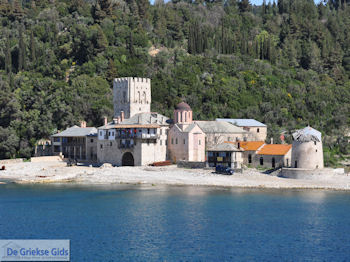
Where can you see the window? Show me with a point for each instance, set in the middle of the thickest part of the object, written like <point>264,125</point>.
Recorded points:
<point>124,97</point>
<point>185,116</point>
<point>273,162</point>
<point>172,141</point>
<point>199,142</point>
<point>166,142</point>
<point>91,140</point>
<point>315,142</point>
<point>147,130</point>
<point>176,141</point>
<point>261,161</point>
<point>110,143</point>
<point>56,139</point>
<point>249,158</point>
<point>109,133</point>
<point>258,130</point>
<point>101,146</point>
<point>184,141</point>
<point>160,132</point>
<point>100,133</point>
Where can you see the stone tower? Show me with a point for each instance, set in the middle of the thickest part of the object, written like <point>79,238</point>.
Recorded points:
<point>307,149</point>
<point>131,95</point>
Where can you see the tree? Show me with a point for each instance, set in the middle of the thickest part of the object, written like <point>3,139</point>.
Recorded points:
<point>22,50</point>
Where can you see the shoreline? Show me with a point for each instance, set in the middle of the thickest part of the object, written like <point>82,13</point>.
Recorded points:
<point>58,173</point>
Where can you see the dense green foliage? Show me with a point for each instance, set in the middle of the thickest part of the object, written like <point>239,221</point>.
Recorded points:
<point>285,64</point>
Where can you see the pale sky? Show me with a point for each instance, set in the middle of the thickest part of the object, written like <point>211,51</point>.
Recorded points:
<point>255,2</point>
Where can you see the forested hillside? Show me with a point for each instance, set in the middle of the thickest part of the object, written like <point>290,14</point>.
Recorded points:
<point>286,64</point>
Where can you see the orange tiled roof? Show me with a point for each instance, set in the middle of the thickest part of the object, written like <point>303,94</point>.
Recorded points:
<point>275,149</point>
<point>249,145</point>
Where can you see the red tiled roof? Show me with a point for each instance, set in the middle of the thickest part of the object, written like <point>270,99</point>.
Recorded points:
<point>249,145</point>
<point>275,149</point>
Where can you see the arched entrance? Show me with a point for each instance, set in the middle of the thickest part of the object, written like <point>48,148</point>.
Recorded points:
<point>128,159</point>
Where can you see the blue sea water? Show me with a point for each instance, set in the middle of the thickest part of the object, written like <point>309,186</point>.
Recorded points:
<point>124,223</point>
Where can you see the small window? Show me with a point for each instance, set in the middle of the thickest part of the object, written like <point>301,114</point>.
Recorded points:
<point>160,132</point>
<point>91,140</point>
<point>199,142</point>
<point>160,141</point>
<point>172,141</point>
<point>100,133</point>
<point>316,150</point>
<point>315,142</point>
<point>261,161</point>
<point>184,141</point>
<point>101,146</point>
<point>258,130</point>
<point>148,131</point>
<point>176,141</point>
<point>110,143</point>
<point>249,158</point>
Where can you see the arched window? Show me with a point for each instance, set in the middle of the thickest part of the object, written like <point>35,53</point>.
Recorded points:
<point>261,161</point>
<point>258,130</point>
<point>139,96</point>
<point>181,117</point>
<point>185,116</point>
<point>144,97</point>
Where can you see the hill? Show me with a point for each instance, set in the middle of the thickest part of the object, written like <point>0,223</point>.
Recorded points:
<point>285,64</point>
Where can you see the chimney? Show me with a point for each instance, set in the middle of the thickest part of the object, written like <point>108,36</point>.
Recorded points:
<point>271,140</point>
<point>105,120</point>
<point>82,124</point>
<point>121,116</point>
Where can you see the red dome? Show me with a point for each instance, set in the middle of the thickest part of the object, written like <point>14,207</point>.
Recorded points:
<point>183,106</point>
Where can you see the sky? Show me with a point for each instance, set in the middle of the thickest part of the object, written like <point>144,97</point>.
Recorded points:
<point>254,2</point>
<point>259,2</point>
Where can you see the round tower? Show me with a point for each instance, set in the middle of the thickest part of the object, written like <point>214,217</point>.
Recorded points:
<point>307,149</point>
<point>183,114</point>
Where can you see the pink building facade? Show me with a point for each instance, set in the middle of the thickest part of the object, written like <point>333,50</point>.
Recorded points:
<point>186,140</point>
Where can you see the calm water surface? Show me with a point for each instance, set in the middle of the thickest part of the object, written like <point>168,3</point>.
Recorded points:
<point>180,223</point>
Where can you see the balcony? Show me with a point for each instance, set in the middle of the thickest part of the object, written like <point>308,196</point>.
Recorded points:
<point>149,136</point>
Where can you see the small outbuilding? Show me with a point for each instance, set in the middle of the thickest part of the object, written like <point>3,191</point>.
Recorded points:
<point>225,154</point>
<point>273,156</point>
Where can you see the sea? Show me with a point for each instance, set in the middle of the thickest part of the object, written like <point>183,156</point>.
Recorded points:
<point>163,223</point>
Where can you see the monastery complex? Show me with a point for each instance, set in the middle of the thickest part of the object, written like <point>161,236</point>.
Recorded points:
<point>137,136</point>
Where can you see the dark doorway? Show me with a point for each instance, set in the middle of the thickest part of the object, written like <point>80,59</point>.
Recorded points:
<point>128,159</point>
<point>296,164</point>
<point>249,158</point>
<point>261,161</point>
<point>273,162</point>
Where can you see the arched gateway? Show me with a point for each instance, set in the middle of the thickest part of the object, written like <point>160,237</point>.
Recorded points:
<point>128,159</point>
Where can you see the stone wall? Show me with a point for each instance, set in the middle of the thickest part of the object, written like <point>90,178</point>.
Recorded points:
<point>46,159</point>
<point>11,161</point>
<point>302,173</point>
<point>190,164</point>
